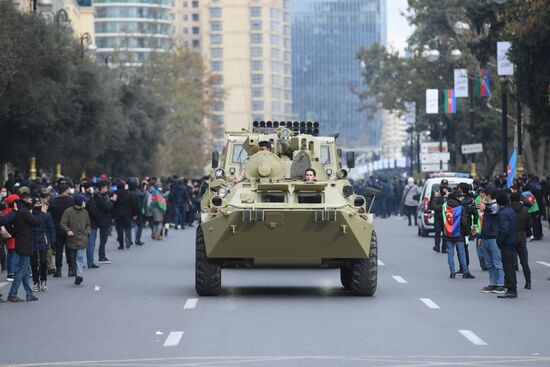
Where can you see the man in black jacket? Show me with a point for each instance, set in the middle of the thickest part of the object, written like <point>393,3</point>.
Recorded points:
<point>436,201</point>
<point>124,211</point>
<point>93,215</point>
<point>22,228</point>
<point>57,207</point>
<point>103,207</point>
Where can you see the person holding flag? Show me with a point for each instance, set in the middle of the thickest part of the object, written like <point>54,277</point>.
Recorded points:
<point>156,205</point>
<point>456,226</point>
<point>532,196</point>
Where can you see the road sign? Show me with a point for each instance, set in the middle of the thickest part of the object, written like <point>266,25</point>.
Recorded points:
<point>427,158</point>
<point>433,147</point>
<point>472,148</point>
<point>434,167</point>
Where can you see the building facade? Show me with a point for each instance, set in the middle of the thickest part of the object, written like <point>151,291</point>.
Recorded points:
<point>130,30</point>
<point>326,35</point>
<point>247,43</point>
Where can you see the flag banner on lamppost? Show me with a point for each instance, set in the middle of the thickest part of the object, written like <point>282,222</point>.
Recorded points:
<point>432,101</point>
<point>482,83</point>
<point>410,113</point>
<point>449,101</point>
<point>461,83</point>
<point>505,66</point>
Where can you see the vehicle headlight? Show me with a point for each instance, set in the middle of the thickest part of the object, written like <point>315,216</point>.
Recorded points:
<point>222,192</point>
<point>220,173</point>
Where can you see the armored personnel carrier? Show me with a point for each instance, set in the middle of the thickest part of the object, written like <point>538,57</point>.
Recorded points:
<point>259,210</point>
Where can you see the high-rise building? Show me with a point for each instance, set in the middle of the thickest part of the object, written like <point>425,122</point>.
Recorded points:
<point>130,30</point>
<point>326,35</point>
<point>248,44</point>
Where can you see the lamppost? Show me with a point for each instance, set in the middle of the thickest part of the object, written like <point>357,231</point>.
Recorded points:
<point>86,44</point>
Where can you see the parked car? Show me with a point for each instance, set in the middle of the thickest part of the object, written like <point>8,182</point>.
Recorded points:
<point>425,216</point>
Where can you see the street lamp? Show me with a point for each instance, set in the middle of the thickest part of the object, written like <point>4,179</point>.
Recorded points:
<point>86,43</point>
<point>61,17</point>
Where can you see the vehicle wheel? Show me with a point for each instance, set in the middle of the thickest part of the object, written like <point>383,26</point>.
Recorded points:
<point>364,272</point>
<point>419,232</point>
<point>208,273</point>
<point>345,277</point>
<point>424,232</point>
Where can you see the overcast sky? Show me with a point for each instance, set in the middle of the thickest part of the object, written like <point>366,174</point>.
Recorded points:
<point>398,29</point>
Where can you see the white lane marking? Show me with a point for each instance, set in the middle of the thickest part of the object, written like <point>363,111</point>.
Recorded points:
<point>428,302</point>
<point>3,284</point>
<point>380,263</point>
<point>191,303</point>
<point>473,338</point>
<point>543,263</point>
<point>399,279</point>
<point>173,339</point>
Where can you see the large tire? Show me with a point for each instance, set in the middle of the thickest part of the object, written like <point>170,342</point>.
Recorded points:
<point>364,272</point>
<point>208,273</point>
<point>424,233</point>
<point>345,277</point>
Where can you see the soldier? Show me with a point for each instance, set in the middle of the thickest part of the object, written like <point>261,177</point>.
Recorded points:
<point>310,175</point>
<point>264,146</point>
<point>436,202</point>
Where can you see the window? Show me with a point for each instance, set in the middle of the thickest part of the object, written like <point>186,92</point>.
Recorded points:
<point>275,67</point>
<point>257,105</point>
<point>310,198</point>
<point>288,82</point>
<point>185,17</point>
<point>217,106</point>
<point>276,106</point>
<point>286,4</point>
<point>195,30</point>
<point>257,117</point>
<point>288,57</point>
<point>275,13</point>
<point>239,154</point>
<point>255,11</point>
<point>216,65</point>
<point>257,92</point>
<point>195,17</point>
<point>275,40</point>
<point>287,30</point>
<point>288,94</point>
<point>217,92</point>
<point>216,39</point>
<point>288,69</point>
<point>216,26</point>
<point>215,12</point>
<point>256,51</point>
<point>275,80</point>
<point>275,27</point>
<point>196,43</point>
<point>195,4</point>
<point>273,197</point>
<point>257,79</point>
<point>286,17</point>
<point>256,38</point>
<point>276,93</point>
<point>325,154</point>
<point>185,30</point>
<point>256,65</point>
<point>218,80</point>
<point>275,53</point>
<point>216,52</point>
<point>185,4</point>
<point>288,108</point>
<point>287,43</point>
<point>256,25</point>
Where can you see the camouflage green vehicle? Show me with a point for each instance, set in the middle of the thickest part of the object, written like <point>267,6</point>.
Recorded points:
<point>260,212</point>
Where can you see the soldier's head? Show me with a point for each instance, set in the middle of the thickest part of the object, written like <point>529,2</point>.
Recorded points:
<point>310,175</point>
<point>265,146</point>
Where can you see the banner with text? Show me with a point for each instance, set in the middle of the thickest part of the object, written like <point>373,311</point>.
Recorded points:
<point>461,83</point>
<point>432,101</point>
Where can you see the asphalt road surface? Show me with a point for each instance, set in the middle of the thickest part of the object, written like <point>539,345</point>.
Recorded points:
<point>142,310</point>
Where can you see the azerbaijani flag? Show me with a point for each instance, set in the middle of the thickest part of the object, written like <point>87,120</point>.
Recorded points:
<point>156,200</point>
<point>511,170</point>
<point>528,195</point>
<point>482,83</point>
<point>449,101</point>
<point>451,216</point>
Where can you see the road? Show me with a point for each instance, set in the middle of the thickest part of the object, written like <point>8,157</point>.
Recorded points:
<point>142,310</point>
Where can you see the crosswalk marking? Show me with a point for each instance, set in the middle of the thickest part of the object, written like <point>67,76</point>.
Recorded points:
<point>428,302</point>
<point>473,338</point>
<point>380,263</point>
<point>543,263</point>
<point>173,339</point>
<point>191,303</point>
<point>399,279</point>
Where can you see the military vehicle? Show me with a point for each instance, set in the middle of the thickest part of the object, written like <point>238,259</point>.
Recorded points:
<point>260,212</point>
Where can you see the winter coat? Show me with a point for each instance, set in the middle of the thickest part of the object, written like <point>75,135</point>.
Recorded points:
<point>181,195</point>
<point>102,210</point>
<point>22,228</point>
<point>507,226</point>
<point>489,229</point>
<point>124,206</point>
<point>76,219</point>
<point>435,204</point>
<point>58,207</point>
<point>10,242</point>
<point>91,207</point>
<point>524,221</point>
<point>408,195</point>
<point>44,235</point>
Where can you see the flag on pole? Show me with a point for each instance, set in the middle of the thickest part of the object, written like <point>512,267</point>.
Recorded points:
<point>482,83</point>
<point>449,101</point>
<point>511,170</point>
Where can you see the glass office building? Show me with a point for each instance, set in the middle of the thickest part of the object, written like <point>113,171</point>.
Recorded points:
<point>130,30</point>
<point>326,35</point>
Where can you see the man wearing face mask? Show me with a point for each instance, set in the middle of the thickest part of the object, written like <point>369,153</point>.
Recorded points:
<point>23,229</point>
<point>75,224</point>
<point>62,202</point>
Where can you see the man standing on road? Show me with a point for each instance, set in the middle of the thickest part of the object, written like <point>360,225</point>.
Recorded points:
<point>410,204</point>
<point>436,203</point>
<point>103,205</point>
<point>468,204</point>
<point>75,223</point>
<point>488,241</point>
<point>124,211</point>
<point>58,206</point>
